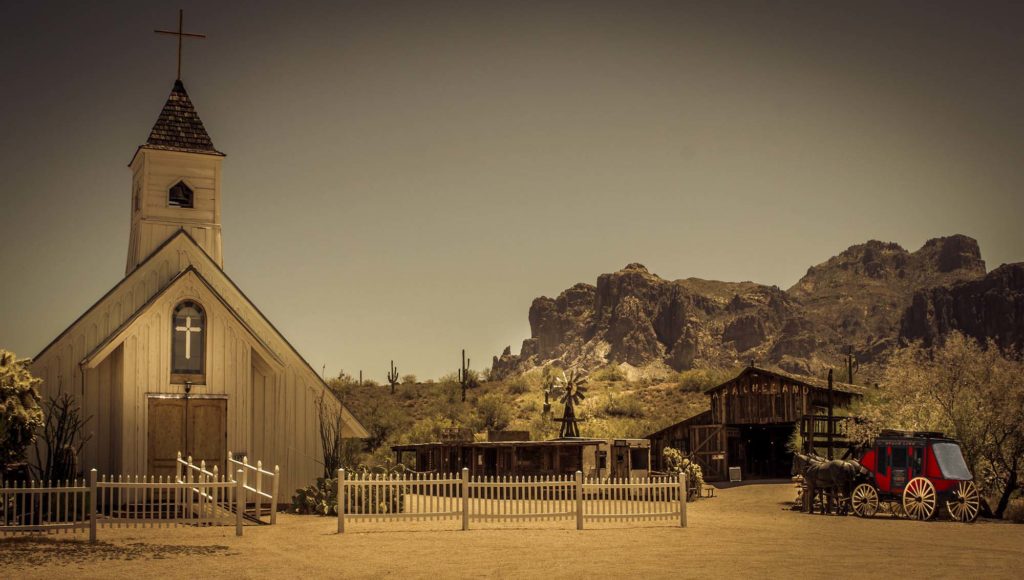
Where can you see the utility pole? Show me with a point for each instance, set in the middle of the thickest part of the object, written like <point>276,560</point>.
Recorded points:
<point>830,429</point>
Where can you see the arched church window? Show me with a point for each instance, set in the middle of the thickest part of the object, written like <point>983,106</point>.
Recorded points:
<point>188,340</point>
<point>180,195</point>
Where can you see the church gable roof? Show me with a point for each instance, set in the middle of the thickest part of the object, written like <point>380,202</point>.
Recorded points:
<point>179,127</point>
<point>104,347</point>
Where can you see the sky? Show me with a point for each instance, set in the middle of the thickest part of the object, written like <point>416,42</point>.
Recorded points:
<point>403,178</point>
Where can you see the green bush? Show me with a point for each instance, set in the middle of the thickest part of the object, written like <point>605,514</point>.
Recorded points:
<point>321,498</point>
<point>20,412</point>
<point>493,412</point>
<point>627,405</point>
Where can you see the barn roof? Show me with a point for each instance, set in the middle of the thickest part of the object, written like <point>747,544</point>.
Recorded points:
<point>179,128</point>
<point>812,382</point>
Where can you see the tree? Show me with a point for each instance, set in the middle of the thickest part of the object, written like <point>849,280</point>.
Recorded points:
<point>20,413</point>
<point>63,437</point>
<point>971,392</point>
<point>329,420</point>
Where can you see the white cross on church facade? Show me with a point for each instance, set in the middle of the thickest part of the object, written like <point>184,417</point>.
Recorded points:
<point>188,329</point>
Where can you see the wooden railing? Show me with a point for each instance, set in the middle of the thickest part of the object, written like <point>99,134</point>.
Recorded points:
<point>418,497</point>
<point>253,477</point>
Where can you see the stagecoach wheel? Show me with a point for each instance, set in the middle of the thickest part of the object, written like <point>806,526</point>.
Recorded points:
<point>965,503</point>
<point>919,499</point>
<point>865,500</point>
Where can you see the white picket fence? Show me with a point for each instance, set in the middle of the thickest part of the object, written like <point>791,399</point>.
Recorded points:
<point>194,497</point>
<point>430,496</point>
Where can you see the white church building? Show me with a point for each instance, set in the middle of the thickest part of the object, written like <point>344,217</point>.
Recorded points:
<point>175,357</point>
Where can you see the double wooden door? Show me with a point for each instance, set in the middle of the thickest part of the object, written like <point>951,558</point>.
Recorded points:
<point>193,426</point>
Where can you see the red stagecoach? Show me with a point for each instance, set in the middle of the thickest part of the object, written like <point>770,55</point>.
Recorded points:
<point>917,473</point>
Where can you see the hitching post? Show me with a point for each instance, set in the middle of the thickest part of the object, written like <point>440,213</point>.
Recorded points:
<point>465,498</point>
<point>239,501</point>
<point>682,499</point>
<point>93,508</point>
<point>579,500</point>
<point>341,500</point>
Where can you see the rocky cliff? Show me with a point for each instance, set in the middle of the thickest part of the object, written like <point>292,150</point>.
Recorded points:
<point>854,300</point>
<point>991,307</point>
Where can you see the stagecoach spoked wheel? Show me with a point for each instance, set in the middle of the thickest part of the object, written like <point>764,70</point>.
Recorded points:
<point>965,503</point>
<point>919,499</point>
<point>865,500</point>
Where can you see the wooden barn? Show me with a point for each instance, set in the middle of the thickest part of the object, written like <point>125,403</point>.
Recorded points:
<point>175,357</point>
<point>750,421</point>
<point>498,457</point>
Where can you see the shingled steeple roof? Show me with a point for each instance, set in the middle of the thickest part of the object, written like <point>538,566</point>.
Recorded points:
<point>179,127</point>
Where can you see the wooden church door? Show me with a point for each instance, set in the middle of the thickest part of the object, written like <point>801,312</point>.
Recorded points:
<point>196,427</point>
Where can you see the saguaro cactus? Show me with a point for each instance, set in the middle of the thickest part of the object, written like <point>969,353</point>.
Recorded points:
<point>467,378</point>
<point>393,377</point>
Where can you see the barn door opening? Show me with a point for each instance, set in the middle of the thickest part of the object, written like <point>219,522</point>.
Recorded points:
<point>194,426</point>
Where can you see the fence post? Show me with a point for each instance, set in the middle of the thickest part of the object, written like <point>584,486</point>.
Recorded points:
<point>682,499</point>
<point>579,500</point>
<point>273,500</point>
<point>239,501</point>
<point>465,498</point>
<point>341,500</point>
<point>93,508</point>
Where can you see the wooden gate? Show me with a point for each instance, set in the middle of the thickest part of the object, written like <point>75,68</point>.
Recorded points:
<point>707,444</point>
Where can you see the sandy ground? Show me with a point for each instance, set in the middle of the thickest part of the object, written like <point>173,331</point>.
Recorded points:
<point>744,532</point>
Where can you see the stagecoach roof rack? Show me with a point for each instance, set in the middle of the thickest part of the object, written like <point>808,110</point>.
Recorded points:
<point>904,433</point>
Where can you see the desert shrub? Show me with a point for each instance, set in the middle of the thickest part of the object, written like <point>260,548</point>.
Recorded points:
<point>518,385</point>
<point>530,407</point>
<point>493,412</point>
<point>1015,511</point>
<point>409,379</point>
<point>676,462</point>
<point>426,430</point>
<point>609,373</point>
<point>699,380</point>
<point>627,405</point>
<point>321,498</point>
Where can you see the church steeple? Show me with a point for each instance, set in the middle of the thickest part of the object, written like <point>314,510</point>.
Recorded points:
<point>179,127</point>
<point>176,182</point>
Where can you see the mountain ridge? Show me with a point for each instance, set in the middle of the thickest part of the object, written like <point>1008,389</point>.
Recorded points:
<point>856,300</point>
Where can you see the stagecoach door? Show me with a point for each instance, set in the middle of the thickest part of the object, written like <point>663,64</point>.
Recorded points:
<point>882,461</point>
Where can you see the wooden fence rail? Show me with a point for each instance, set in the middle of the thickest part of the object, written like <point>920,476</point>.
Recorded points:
<point>195,496</point>
<point>433,496</point>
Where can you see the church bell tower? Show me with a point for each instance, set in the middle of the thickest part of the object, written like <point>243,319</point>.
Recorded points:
<point>175,183</point>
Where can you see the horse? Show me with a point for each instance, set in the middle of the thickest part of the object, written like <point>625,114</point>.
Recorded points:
<point>837,476</point>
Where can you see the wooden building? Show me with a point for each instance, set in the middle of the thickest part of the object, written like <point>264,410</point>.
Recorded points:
<point>750,421</point>
<point>594,457</point>
<point>175,357</point>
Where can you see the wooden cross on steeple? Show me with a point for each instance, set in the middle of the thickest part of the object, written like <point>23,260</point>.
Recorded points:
<point>180,34</point>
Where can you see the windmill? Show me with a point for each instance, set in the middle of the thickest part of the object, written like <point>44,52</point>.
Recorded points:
<point>573,392</point>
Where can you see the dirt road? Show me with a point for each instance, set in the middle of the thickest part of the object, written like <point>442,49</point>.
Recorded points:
<point>744,532</point>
